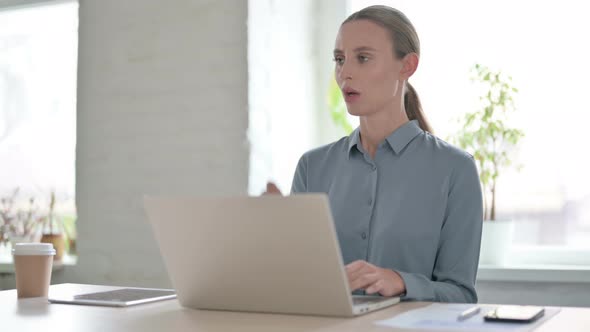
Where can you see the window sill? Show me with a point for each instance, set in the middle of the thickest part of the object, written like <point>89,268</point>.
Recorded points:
<point>522,263</point>
<point>535,273</point>
<point>7,266</point>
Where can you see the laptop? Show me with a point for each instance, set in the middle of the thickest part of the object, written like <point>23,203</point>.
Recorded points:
<point>275,254</point>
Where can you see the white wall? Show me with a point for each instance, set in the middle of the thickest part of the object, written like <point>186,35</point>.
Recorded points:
<point>162,108</point>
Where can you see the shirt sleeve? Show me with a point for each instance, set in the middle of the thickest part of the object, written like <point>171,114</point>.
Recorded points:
<point>299,184</point>
<point>455,269</point>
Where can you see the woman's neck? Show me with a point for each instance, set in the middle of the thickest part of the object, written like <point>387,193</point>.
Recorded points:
<point>376,127</point>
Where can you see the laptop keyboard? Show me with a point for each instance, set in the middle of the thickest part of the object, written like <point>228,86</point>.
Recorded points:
<point>124,295</point>
<point>357,300</point>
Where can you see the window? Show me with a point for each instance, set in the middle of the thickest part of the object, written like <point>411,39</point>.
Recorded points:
<point>289,59</point>
<point>38,62</point>
<point>543,47</point>
<point>540,45</point>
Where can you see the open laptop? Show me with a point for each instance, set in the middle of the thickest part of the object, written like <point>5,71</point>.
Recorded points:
<point>276,254</point>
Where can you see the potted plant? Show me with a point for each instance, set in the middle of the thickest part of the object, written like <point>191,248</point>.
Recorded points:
<point>486,134</point>
<point>53,230</point>
<point>18,224</point>
<point>7,217</point>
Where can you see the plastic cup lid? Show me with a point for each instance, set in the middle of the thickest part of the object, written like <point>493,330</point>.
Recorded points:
<point>30,249</point>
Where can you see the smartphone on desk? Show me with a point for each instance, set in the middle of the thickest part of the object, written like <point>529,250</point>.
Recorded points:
<point>515,314</point>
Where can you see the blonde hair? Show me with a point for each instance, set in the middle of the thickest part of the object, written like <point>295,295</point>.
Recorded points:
<point>404,40</point>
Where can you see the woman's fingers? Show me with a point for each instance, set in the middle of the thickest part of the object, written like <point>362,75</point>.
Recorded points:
<point>377,287</point>
<point>389,283</point>
<point>363,275</point>
<point>357,268</point>
<point>363,281</point>
<point>354,266</point>
<point>271,188</point>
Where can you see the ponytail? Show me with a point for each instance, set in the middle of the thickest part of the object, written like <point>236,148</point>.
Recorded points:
<point>414,108</point>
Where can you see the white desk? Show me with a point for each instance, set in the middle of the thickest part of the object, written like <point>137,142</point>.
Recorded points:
<point>38,315</point>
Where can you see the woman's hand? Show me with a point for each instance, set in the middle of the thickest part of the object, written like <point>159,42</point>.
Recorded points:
<point>272,188</point>
<point>373,279</point>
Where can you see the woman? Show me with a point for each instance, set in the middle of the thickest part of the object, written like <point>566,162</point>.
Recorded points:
<point>407,206</point>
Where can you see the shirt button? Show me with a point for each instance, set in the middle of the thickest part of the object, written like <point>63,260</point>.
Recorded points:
<point>370,201</point>
<point>364,236</point>
<point>374,168</point>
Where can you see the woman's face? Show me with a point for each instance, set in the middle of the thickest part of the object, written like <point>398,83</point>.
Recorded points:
<point>368,73</point>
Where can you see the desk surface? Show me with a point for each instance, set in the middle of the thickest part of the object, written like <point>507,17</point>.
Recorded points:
<point>38,315</point>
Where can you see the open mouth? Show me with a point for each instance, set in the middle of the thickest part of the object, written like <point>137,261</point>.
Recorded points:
<point>350,94</point>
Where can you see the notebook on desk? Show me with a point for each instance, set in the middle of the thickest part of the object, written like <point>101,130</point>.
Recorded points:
<point>265,254</point>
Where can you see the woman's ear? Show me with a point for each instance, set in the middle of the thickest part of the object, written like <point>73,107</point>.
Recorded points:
<point>409,66</point>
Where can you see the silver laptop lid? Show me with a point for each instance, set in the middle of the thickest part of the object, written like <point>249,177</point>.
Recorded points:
<point>266,254</point>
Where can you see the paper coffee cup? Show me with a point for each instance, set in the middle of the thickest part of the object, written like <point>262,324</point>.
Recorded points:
<point>33,263</point>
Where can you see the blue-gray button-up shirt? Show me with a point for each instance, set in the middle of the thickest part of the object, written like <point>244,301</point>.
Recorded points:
<point>416,208</point>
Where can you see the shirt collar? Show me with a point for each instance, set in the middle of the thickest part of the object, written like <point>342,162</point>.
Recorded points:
<point>398,140</point>
<point>353,139</point>
<point>403,135</point>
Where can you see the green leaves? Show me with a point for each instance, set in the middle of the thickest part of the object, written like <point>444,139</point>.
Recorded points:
<point>337,107</point>
<point>335,99</point>
<point>486,133</point>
